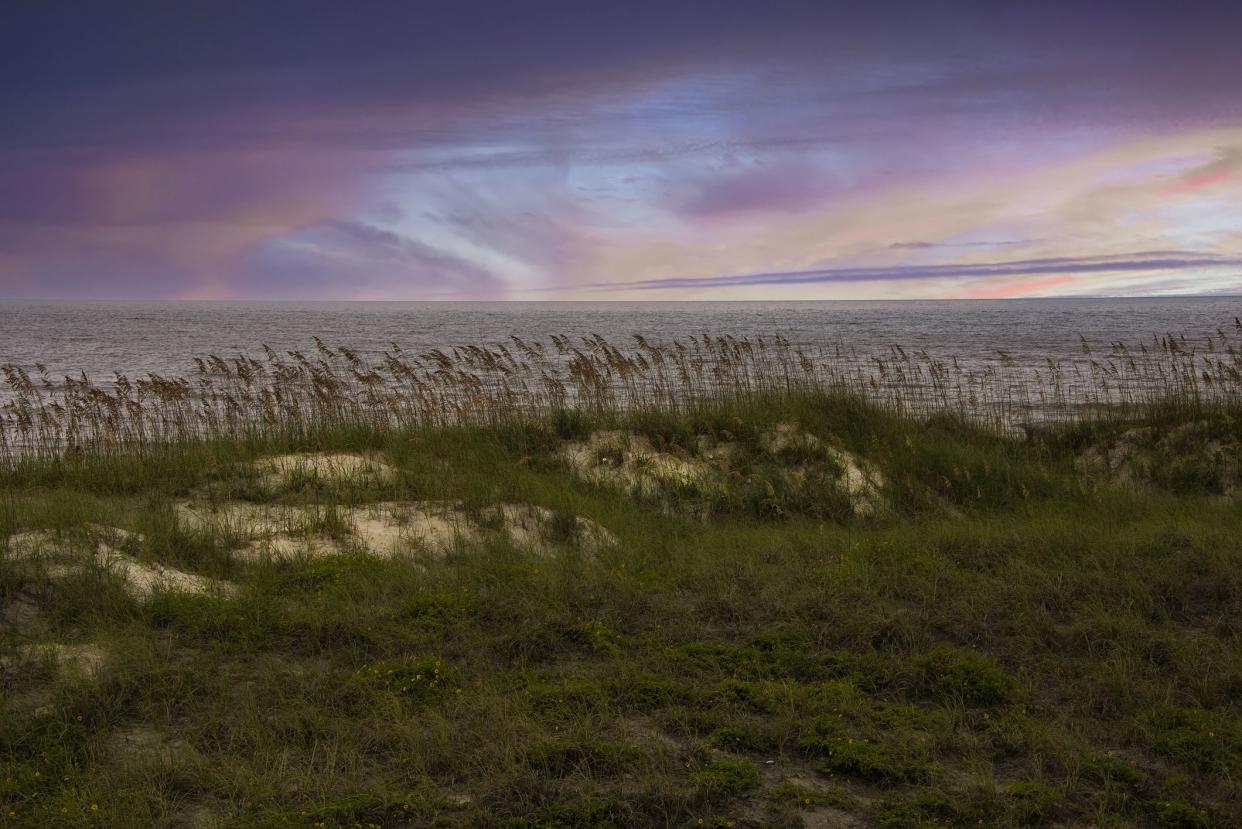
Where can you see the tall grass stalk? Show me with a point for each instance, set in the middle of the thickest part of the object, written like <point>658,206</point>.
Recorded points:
<point>296,395</point>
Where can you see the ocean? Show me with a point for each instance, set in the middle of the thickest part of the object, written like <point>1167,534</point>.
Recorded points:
<point>136,338</point>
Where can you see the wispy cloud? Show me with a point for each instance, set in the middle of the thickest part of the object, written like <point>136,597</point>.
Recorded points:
<point>1226,166</point>
<point>998,243</point>
<point>735,148</point>
<point>1052,266</point>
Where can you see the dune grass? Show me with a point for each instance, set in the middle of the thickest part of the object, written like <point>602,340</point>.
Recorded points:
<point>1011,641</point>
<point>298,395</point>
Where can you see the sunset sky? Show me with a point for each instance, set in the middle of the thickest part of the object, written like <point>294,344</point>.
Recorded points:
<point>630,150</point>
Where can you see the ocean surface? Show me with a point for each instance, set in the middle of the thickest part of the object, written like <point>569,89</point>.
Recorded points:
<point>135,338</point>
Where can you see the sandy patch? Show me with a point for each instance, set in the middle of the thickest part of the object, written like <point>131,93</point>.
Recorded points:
<point>84,659</point>
<point>286,547</point>
<point>324,468</point>
<point>721,456</point>
<point>149,746</point>
<point>61,559</point>
<point>437,527</point>
<point>539,529</point>
<point>34,544</point>
<point>826,817</point>
<point>45,555</point>
<point>388,529</point>
<point>862,482</point>
<point>1121,458</point>
<point>241,519</point>
<point>200,817</point>
<point>630,463</point>
<point>1144,456</point>
<point>143,580</point>
<point>114,535</point>
<point>262,531</point>
<point>786,437</point>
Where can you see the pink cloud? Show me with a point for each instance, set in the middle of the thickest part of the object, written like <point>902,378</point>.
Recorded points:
<point>1197,182</point>
<point>1017,289</point>
<point>1225,167</point>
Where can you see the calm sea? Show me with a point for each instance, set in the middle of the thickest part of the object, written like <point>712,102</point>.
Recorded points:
<point>100,338</point>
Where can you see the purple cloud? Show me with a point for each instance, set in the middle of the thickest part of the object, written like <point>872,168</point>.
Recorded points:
<point>782,188</point>
<point>224,149</point>
<point>1156,261</point>
<point>1000,243</point>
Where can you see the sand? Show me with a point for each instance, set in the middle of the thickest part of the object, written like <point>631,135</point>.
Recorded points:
<point>630,464</point>
<point>324,467</point>
<point>389,528</point>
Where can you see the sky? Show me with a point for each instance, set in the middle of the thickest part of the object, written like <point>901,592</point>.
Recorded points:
<point>631,150</point>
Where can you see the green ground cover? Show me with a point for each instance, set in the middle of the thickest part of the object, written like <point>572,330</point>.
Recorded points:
<point>808,612</point>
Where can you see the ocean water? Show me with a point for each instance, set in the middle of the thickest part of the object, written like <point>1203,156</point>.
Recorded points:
<point>134,338</point>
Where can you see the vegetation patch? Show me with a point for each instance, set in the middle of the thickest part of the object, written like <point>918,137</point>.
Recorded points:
<point>1033,804</point>
<point>420,679</point>
<point>725,779</point>
<point>741,739</point>
<point>934,810</point>
<point>963,676</point>
<point>593,757</point>
<point>997,644</point>
<point>1202,741</point>
<point>870,739</point>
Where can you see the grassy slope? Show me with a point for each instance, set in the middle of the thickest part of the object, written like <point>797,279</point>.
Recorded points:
<point>1012,646</point>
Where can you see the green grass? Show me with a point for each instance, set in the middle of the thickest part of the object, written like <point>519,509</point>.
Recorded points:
<point>1009,643</point>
